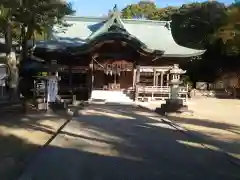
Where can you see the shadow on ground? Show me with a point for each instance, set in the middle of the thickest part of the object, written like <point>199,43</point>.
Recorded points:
<point>125,142</point>
<point>14,153</point>
<point>223,135</point>
<point>30,120</point>
<point>15,148</point>
<point>208,124</point>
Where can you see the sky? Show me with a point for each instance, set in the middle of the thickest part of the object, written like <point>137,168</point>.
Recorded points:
<point>101,7</point>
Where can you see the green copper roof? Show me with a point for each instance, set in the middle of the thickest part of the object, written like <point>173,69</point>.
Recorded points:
<point>155,35</point>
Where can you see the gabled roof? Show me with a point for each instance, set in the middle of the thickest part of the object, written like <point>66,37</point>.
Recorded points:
<point>155,35</point>
<point>114,19</point>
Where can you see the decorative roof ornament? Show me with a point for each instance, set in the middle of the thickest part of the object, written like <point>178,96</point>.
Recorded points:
<point>116,10</point>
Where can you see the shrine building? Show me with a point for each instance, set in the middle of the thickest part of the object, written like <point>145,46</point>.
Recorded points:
<point>114,54</point>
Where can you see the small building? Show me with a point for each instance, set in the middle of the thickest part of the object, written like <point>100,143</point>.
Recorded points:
<point>113,54</point>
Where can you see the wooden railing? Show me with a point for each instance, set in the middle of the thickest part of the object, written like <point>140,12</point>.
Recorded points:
<point>159,92</point>
<point>153,89</point>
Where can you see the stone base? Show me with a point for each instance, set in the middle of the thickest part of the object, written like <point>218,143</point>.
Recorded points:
<point>51,106</point>
<point>73,109</point>
<point>172,105</point>
<point>42,106</point>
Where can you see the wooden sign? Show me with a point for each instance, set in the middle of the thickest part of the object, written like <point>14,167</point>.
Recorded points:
<point>113,65</point>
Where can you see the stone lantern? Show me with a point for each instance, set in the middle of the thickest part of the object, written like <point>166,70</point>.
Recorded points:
<point>175,74</point>
<point>174,103</point>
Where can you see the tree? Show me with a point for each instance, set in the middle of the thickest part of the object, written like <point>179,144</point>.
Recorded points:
<point>38,16</point>
<point>148,10</point>
<point>163,14</point>
<point>195,23</point>
<point>31,16</point>
<point>6,19</point>
<point>143,9</point>
<point>229,33</point>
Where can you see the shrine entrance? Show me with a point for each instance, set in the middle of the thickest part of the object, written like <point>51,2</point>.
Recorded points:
<point>113,60</point>
<point>113,75</point>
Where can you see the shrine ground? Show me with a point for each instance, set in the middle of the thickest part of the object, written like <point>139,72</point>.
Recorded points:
<point>217,121</point>
<point>127,143</point>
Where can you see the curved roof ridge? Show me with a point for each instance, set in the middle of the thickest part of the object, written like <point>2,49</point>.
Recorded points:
<point>85,18</point>
<point>145,21</point>
<point>95,18</point>
<point>188,51</point>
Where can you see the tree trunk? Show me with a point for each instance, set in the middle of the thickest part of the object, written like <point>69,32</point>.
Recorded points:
<point>24,51</point>
<point>11,61</point>
<point>27,34</point>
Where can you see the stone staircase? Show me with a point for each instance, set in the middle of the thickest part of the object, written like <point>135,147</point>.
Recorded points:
<point>117,97</point>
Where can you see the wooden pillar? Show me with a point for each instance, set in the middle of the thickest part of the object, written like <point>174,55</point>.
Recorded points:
<point>137,82</point>
<point>168,78</point>
<point>134,77</point>
<point>138,74</point>
<point>154,77</point>
<point>161,83</point>
<point>90,77</point>
<point>157,78</point>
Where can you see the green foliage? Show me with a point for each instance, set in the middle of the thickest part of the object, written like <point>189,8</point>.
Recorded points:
<point>209,25</point>
<point>163,14</point>
<point>187,81</point>
<point>229,33</point>
<point>148,10</point>
<point>194,24</point>
<point>38,15</point>
<point>32,17</point>
<point>141,10</point>
<point>42,74</point>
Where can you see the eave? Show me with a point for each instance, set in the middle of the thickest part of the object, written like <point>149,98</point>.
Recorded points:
<point>116,36</point>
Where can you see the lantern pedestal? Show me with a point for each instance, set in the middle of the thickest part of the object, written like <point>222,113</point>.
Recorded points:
<point>174,104</point>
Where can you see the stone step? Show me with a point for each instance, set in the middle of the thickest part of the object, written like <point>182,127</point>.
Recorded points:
<point>110,96</point>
